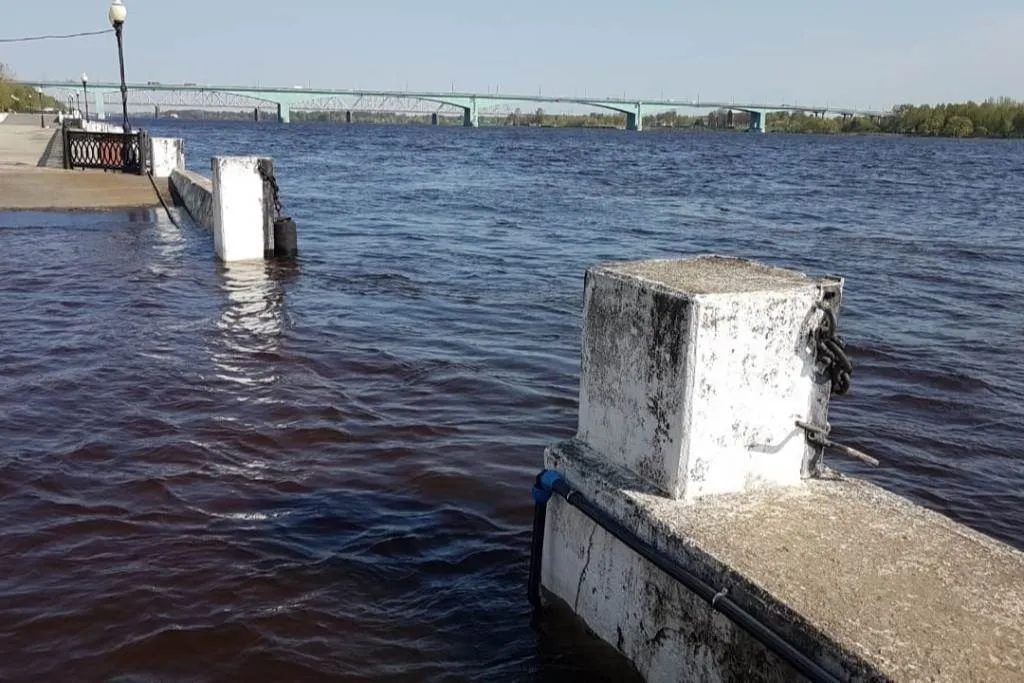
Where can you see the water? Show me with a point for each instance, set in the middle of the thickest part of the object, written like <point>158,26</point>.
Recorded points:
<point>322,472</point>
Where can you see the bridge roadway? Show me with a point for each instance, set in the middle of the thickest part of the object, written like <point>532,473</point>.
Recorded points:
<point>470,103</point>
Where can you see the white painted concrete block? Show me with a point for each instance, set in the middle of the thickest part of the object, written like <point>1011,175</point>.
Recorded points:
<point>167,154</point>
<point>694,372</point>
<point>238,208</point>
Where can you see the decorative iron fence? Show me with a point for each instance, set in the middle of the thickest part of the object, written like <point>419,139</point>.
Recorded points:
<point>106,151</point>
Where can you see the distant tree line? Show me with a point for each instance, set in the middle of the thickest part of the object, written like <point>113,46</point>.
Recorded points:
<point>1003,118</point>
<point>993,118</point>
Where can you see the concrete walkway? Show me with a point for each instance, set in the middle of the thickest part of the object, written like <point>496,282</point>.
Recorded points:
<point>27,145</point>
<point>32,177</point>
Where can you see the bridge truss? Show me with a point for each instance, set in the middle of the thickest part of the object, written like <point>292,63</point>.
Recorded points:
<point>213,100</point>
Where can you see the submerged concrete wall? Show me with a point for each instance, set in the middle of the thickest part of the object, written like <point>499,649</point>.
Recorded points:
<point>708,361</point>
<point>195,193</point>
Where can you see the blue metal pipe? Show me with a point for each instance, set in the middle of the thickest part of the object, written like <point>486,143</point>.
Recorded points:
<point>551,482</point>
<point>541,495</point>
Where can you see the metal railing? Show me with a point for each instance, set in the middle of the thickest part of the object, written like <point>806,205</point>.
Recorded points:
<point>105,151</point>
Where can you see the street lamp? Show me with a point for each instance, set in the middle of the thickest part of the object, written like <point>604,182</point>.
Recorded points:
<point>85,89</point>
<point>42,117</point>
<point>117,14</point>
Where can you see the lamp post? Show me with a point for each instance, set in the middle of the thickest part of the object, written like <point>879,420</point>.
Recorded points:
<point>42,117</point>
<point>85,89</point>
<point>117,14</point>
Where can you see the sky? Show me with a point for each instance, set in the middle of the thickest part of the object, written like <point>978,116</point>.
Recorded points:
<point>869,54</point>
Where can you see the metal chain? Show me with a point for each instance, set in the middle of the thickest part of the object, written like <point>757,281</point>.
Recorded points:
<point>269,178</point>
<point>832,357</point>
<point>832,362</point>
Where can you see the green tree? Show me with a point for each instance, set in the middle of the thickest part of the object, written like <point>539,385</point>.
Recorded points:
<point>958,127</point>
<point>1018,123</point>
<point>15,97</point>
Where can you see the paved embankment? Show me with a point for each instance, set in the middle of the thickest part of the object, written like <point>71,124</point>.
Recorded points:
<point>32,177</point>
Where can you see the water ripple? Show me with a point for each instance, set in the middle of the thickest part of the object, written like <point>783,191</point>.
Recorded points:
<point>321,471</point>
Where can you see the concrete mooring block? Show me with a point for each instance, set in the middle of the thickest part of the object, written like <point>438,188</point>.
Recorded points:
<point>693,376</point>
<point>239,208</point>
<point>694,372</point>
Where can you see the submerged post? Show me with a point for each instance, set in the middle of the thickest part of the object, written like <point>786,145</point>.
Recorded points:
<point>239,213</point>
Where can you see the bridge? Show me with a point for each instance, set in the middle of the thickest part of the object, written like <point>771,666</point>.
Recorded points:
<point>467,104</point>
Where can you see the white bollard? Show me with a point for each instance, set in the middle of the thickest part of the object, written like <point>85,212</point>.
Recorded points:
<point>694,372</point>
<point>238,216</point>
<point>167,154</point>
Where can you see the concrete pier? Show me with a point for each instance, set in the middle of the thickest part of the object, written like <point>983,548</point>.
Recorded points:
<point>471,115</point>
<point>758,121</point>
<point>693,376</point>
<point>635,118</point>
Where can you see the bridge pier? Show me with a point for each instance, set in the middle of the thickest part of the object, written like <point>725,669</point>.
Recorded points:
<point>256,114</point>
<point>348,116</point>
<point>635,119</point>
<point>433,119</point>
<point>470,117</point>
<point>99,106</point>
<point>156,111</point>
<point>284,113</point>
<point>758,121</point>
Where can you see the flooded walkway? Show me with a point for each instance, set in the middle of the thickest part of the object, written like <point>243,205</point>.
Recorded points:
<point>32,177</point>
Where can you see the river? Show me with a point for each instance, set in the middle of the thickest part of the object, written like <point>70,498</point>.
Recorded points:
<point>322,471</point>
